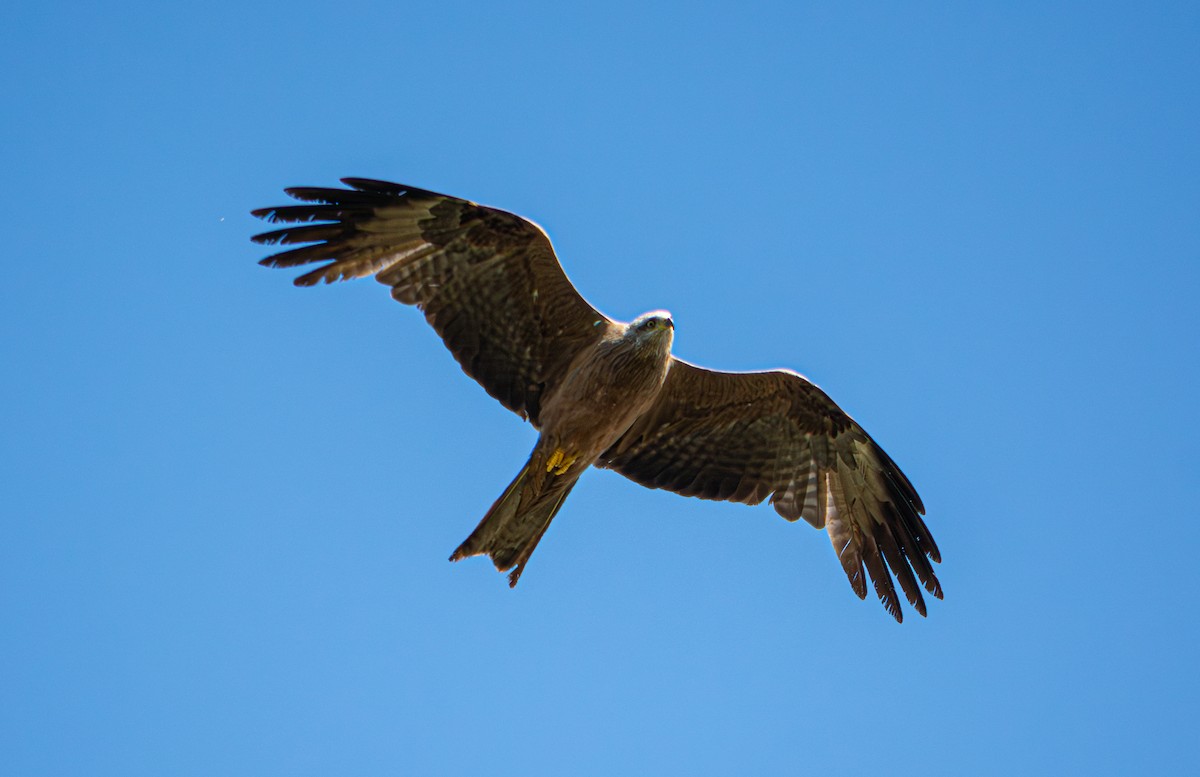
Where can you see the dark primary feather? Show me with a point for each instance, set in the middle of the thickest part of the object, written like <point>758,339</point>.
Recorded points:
<point>487,280</point>
<point>746,437</point>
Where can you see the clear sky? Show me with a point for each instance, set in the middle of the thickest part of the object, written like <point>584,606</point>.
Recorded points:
<point>228,502</point>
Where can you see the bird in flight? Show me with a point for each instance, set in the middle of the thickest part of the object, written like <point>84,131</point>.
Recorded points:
<point>604,393</point>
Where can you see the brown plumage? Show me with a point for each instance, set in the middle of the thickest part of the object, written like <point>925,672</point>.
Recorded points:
<point>605,393</point>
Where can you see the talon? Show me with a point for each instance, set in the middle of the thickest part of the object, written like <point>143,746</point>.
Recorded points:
<point>559,462</point>
<point>566,465</point>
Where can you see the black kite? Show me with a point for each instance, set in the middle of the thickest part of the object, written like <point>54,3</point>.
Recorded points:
<point>605,393</point>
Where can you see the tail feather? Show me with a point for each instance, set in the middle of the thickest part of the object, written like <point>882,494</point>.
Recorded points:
<point>514,525</point>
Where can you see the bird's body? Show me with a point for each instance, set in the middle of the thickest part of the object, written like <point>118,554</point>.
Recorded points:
<point>605,389</point>
<point>607,394</point>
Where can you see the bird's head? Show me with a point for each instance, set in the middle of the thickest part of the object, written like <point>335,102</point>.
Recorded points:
<point>653,327</point>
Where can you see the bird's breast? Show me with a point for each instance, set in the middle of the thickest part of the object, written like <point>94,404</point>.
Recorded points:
<point>602,394</point>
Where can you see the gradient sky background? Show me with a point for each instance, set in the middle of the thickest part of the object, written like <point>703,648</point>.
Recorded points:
<point>228,503</point>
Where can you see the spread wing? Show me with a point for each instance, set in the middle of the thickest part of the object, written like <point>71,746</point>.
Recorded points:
<point>744,437</point>
<point>487,280</point>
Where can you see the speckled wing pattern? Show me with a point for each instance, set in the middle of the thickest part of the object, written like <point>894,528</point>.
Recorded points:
<point>487,280</point>
<point>746,437</point>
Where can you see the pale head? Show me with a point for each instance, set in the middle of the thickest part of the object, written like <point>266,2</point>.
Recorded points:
<point>653,327</point>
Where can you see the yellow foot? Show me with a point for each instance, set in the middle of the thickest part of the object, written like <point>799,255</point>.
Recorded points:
<point>559,462</point>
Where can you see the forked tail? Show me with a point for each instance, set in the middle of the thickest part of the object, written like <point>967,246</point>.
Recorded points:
<point>514,525</point>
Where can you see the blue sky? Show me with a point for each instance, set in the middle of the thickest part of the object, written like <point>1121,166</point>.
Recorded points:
<point>228,502</point>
